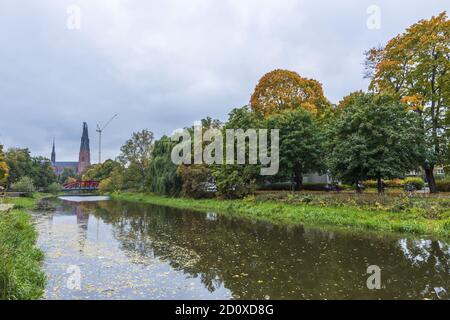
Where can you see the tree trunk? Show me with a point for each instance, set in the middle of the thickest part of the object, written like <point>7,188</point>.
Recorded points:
<point>380,186</point>
<point>298,179</point>
<point>358,187</point>
<point>430,178</point>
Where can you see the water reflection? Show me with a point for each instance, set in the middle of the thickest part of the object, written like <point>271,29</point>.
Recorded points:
<point>86,198</point>
<point>170,254</point>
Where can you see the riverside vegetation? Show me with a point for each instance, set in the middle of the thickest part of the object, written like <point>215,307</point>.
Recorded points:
<point>21,276</point>
<point>403,213</point>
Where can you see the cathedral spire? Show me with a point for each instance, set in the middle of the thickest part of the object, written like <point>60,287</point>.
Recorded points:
<point>84,159</point>
<point>85,138</point>
<point>53,152</point>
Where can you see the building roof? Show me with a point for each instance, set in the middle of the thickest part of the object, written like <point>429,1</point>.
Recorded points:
<point>66,164</point>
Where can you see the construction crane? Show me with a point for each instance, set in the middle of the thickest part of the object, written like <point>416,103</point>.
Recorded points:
<point>100,130</point>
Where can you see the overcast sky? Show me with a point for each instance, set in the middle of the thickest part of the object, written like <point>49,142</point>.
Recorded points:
<point>162,65</point>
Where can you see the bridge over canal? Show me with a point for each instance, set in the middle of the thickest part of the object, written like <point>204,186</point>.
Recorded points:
<point>88,185</point>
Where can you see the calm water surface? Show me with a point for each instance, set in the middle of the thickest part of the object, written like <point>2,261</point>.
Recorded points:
<point>125,250</point>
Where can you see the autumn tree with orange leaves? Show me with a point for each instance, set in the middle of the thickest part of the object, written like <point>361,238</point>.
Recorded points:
<point>283,89</point>
<point>415,67</point>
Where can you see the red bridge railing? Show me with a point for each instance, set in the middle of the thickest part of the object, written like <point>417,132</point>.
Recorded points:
<point>81,185</point>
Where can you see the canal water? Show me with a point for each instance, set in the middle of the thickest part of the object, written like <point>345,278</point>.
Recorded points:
<point>103,249</point>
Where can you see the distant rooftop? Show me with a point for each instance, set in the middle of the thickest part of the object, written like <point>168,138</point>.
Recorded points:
<point>66,164</point>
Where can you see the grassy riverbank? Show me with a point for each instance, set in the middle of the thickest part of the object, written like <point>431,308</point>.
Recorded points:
<point>396,214</point>
<point>21,276</point>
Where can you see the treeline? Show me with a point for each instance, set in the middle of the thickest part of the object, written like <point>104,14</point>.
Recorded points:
<point>19,171</point>
<point>400,125</point>
<point>374,137</point>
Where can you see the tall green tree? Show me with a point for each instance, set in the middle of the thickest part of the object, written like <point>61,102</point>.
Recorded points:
<point>43,174</point>
<point>237,180</point>
<point>301,144</point>
<point>20,164</point>
<point>374,137</point>
<point>132,178</point>
<point>197,179</point>
<point>101,171</point>
<point>415,67</point>
<point>135,155</point>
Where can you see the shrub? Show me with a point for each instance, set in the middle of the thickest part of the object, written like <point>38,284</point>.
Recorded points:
<point>443,185</point>
<point>197,181</point>
<point>401,204</point>
<point>113,183</point>
<point>105,185</point>
<point>54,188</point>
<point>416,182</point>
<point>287,186</point>
<point>234,183</point>
<point>25,184</point>
<point>394,183</point>
<point>370,183</point>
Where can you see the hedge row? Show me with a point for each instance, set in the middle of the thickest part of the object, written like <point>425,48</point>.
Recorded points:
<point>286,186</point>
<point>414,182</point>
<point>443,185</point>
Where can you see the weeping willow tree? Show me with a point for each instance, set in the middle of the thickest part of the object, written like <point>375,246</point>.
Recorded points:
<point>162,173</point>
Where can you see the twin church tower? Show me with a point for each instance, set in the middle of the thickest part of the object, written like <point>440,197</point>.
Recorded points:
<point>84,157</point>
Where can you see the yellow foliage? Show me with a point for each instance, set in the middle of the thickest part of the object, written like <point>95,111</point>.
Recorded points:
<point>4,169</point>
<point>414,65</point>
<point>106,185</point>
<point>71,179</point>
<point>414,102</point>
